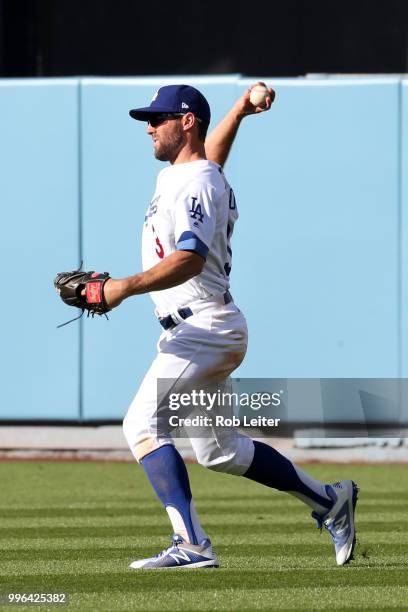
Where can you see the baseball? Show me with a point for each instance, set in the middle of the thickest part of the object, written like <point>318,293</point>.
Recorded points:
<point>258,95</point>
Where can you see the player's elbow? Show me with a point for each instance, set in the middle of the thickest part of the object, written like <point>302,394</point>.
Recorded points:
<point>198,264</point>
<point>194,263</point>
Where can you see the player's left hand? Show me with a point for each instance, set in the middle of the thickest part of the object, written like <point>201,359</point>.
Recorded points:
<point>84,290</point>
<point>244,105</point>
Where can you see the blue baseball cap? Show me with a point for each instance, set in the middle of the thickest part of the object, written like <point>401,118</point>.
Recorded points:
<point>175,99</point>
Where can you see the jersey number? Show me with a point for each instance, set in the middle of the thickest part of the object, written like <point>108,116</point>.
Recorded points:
<point>232,206</point>
<point>159,248</point>
<point>232,200</point>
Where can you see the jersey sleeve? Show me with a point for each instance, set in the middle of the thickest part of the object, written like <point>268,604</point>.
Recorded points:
<point>195,217</point>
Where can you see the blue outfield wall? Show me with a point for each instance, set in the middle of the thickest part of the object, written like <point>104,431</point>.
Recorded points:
<point>39,207</point>
<point>319,252</point>
<point>316,257</point>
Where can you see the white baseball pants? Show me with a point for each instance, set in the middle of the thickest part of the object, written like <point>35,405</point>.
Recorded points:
<point>207,346</point>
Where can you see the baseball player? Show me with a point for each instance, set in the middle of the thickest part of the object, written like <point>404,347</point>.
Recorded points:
<point>187,259</point>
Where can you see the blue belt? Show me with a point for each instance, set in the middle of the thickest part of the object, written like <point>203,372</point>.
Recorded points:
<point>169,322</point>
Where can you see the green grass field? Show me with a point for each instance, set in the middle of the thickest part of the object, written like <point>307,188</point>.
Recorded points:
<point>75,527</point>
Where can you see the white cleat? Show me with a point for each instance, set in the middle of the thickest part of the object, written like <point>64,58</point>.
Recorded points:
<point>339,520</point>
<point>180,554</point>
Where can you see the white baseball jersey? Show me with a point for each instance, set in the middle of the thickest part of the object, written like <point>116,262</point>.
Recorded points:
<point>193,209</point>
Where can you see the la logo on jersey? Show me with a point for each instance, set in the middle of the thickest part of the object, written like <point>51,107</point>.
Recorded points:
<point>195,210</point>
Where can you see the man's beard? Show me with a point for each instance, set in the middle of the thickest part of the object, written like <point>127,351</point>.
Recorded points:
<point>169,150</point>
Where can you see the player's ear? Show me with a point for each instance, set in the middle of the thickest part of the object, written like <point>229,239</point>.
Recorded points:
<point>188,121</point>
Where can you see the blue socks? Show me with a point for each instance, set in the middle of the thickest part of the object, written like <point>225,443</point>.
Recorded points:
<point>272,469</point>
<point>168,476</point>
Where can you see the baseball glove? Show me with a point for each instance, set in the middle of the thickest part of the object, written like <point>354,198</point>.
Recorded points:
<point>69,286</point>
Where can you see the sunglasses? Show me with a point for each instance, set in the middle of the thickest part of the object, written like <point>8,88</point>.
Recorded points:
<point>156,120</point>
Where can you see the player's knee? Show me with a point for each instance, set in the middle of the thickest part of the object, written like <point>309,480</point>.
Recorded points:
<point>235,459</point>
<point>130,432</point>
<point>218,465</point>
<point>224,464</point>
<point>140,443</point>
<point>128,429</point>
